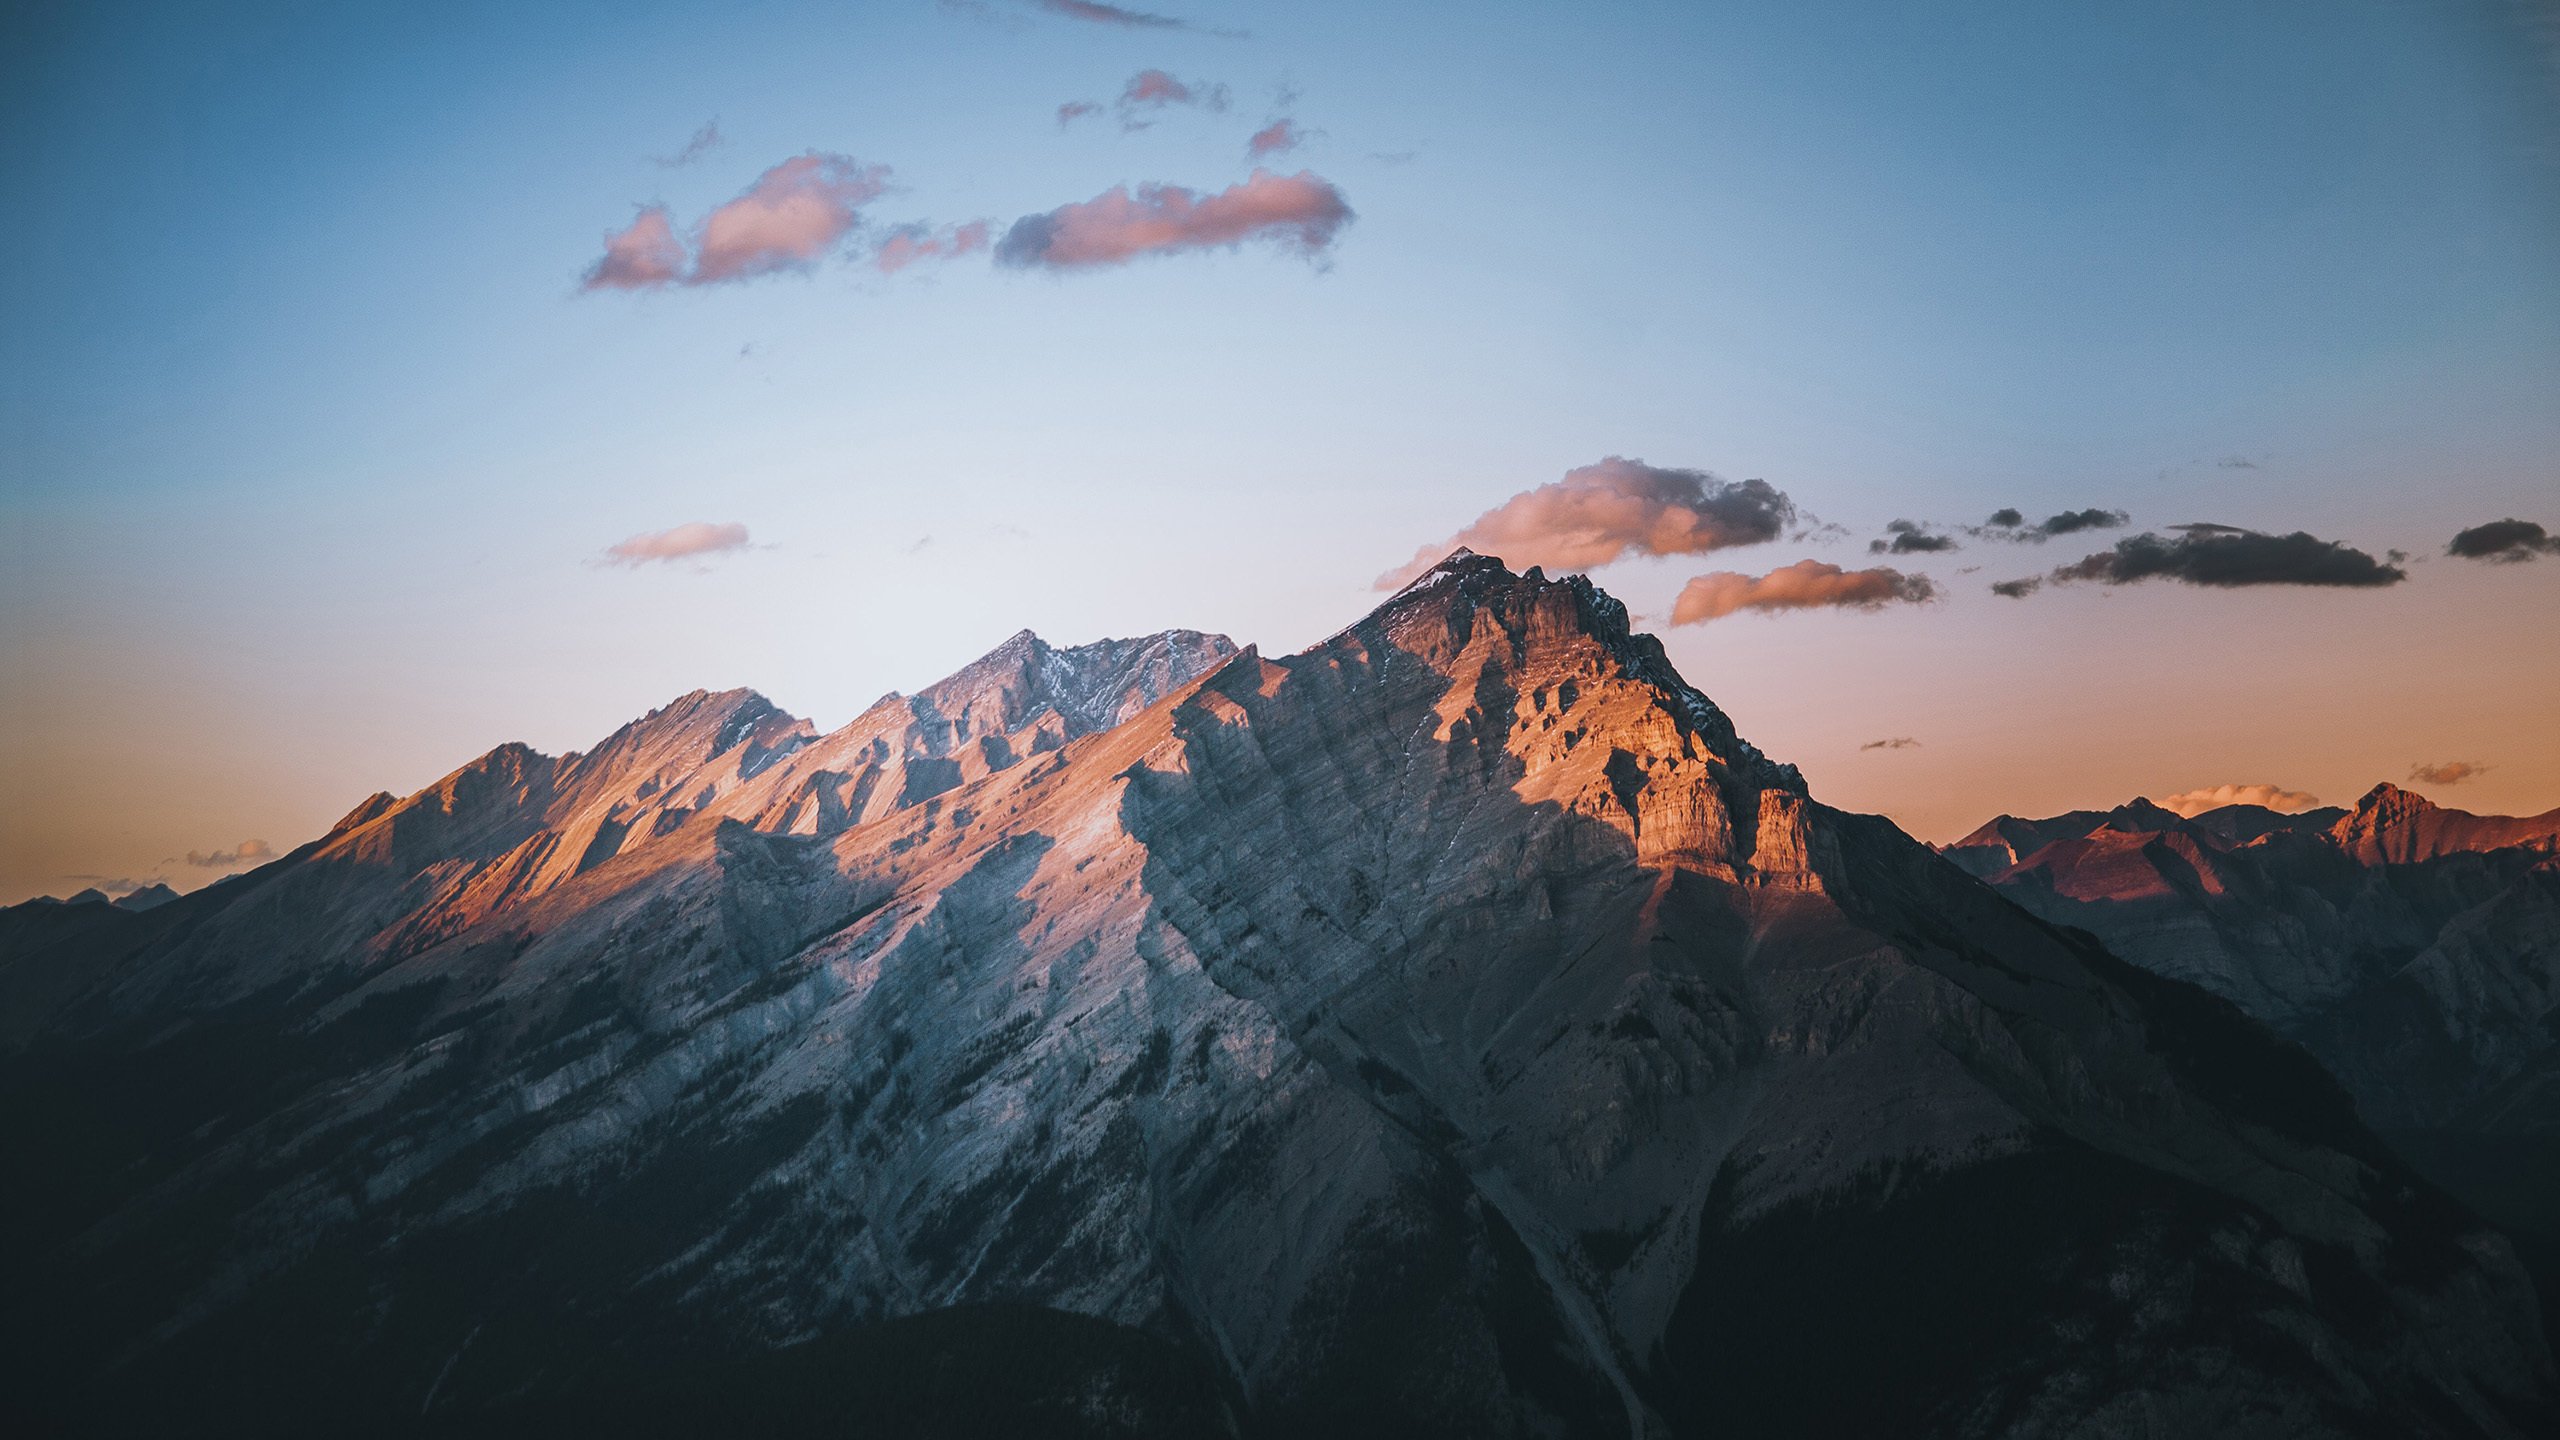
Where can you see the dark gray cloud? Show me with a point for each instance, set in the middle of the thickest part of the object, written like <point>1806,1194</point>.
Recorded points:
<point>2009,524</point>
<point>2017,589</point>
<point>1898,742</point>
<point>2504,542</point>
<point>1909,537</point>
<point>2227,557</point>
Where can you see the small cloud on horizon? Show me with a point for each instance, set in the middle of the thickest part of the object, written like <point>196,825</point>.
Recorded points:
<point>1615,507</point>
<point>1805,585</point>
<point>1898,742</point>
<point>247,852</point>
<point>691,541</point>
<point>2449,772</point>
<point>2191,803</point>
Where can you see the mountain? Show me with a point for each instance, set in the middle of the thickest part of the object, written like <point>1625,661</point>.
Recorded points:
<point>148,897</point>
<point>2414,949</point>
<point>1453,1029</point>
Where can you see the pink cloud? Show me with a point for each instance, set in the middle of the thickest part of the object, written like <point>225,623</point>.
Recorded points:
<point>1075,110</point>
<point>1599,512</point>
<point>910,243</point>
<point>2192,803</point>
<point>1276,138</point>
<point>1805,585</point>
<point>684,542</point>
<point>1301,211</point>
<point>641,256</point>
<point>1099,14</point>
<point>789,219</point>
<point>1155,89</point>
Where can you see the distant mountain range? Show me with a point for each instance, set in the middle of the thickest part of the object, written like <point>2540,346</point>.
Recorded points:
<point>2414,949</point>
<point>1453,1029</point>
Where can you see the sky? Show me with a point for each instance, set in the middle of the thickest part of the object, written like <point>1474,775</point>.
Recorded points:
<point>381,384</point>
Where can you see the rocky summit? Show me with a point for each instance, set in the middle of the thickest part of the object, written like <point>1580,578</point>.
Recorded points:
<point>1454,1029</point>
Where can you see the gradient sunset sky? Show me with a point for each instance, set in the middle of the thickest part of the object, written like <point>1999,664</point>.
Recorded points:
<point>386,383</point>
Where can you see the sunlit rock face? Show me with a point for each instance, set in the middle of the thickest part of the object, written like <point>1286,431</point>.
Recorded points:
<point>1452,1029</point>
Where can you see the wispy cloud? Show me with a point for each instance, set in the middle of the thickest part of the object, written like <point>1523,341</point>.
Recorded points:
<point>907,244</point>
<point>1898,742</point>
<point>1094,13</point>
<point>1805,585</point>
<point>1149,94</point>
<point>2192,803</point>
<point>2450,772</point>
<point>2504,542</point>
<point>704,141</point>
<point>693,541</point>
<point>1599,512</point>
<point>2228,557</point>
<point>247,852</point>
<point>1277,138</point>
<point>1301,212</point>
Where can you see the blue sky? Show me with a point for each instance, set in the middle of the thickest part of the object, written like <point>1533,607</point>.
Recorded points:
<point>313,443</point>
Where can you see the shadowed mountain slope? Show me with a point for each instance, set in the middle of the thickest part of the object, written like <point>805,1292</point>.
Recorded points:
<point>1453,1029</point>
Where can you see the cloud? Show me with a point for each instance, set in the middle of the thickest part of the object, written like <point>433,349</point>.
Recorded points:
<point>2236,462</point>
<point>908,244</point>
<point>1098,14</point>
<point>1156,89</point>
<point>704,141</point>
<point>1277,138</point>
<point>1805,585</point>
<point>2008,524</point>
<point>789,219</point>
<point>114,885</point>
<point>1599,512</point>
<point>684,542</point>
<point>2228,557</point>
<point>2192,803</point>
<point>641,256</point>
<point>1075,110</point>
<point>2017,589</point>
<point>2504,542</point>
<point>1302,212</point>
<point>794,215</point>
<point>1910,537</point>
<point>2451,772</point>
<point>247,852</point>
<point>1898,742</point>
